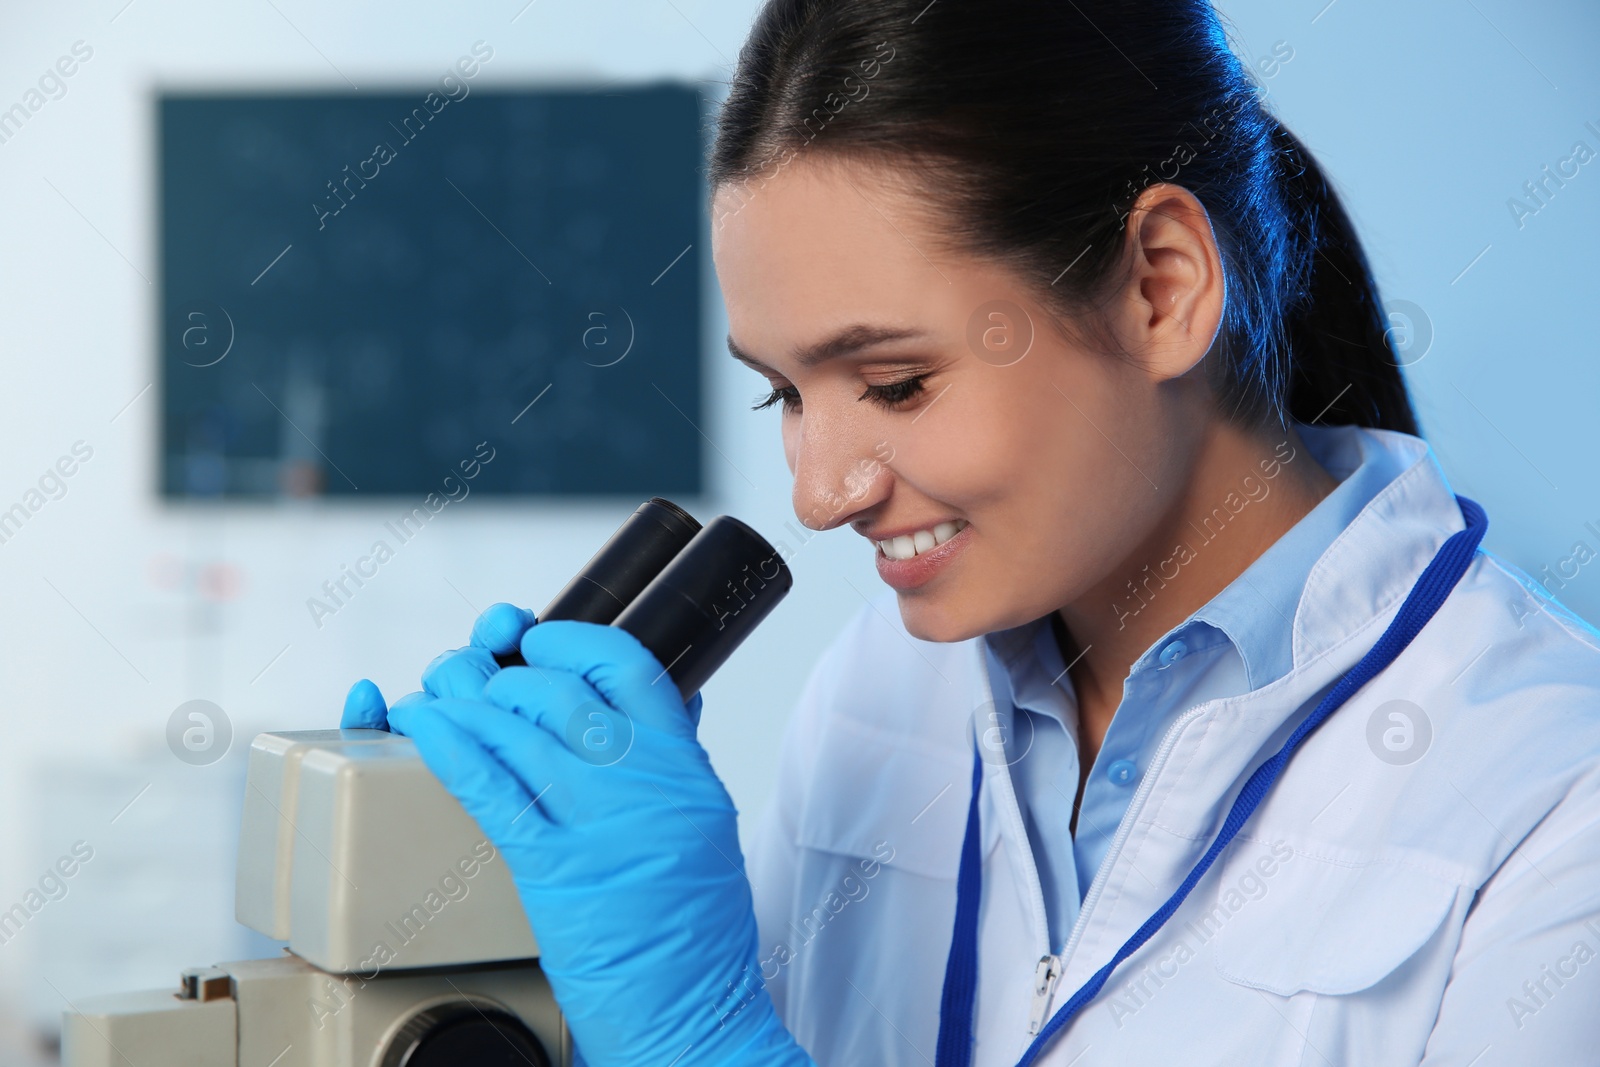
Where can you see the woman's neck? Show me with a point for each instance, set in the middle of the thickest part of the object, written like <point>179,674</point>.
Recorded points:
<point>1247,490</point>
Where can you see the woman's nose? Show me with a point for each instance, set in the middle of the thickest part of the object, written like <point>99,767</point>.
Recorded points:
<point>836,479</point>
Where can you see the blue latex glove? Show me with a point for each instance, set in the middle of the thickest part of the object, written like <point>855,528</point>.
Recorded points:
<point>584,770</point>
<point>462,672</point>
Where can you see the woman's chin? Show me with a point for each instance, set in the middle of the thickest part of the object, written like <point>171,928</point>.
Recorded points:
<point>951,613</point>
<point>939,618</point>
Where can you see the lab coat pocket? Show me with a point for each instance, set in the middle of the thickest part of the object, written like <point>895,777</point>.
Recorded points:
<point>888,797</point>
<point>1320,924</point>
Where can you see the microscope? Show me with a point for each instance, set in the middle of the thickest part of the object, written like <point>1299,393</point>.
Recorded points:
<point>407,944</point>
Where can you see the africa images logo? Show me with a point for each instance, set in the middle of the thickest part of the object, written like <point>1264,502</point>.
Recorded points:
<point>1399,732</point>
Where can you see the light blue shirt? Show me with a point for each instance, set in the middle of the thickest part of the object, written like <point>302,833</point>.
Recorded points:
<point>1239,641</point>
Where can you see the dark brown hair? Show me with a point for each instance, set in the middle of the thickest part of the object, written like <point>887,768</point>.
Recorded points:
<point>1035,124</point>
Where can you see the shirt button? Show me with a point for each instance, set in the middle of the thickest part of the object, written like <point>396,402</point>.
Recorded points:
<point>1121,772</point>
<point>1174,651</point>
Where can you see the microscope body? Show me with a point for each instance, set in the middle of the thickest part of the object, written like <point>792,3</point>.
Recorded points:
<point>407,944</point>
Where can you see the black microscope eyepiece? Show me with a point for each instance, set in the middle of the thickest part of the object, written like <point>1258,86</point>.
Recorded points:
<point>642,546</point>
<point>707,601</point>
<point>691,595</point>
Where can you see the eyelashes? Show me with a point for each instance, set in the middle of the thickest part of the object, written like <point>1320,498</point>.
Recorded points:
<point>788,396</point>
<point>893,394</point>
<point>889,395</point>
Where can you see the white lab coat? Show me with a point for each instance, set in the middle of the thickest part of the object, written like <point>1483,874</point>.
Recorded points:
<point>1445,911</point>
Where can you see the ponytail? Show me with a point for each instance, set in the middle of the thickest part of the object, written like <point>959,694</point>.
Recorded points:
<point>1343,367</point>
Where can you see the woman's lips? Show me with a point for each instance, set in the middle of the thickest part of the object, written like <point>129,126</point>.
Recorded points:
<point>924,566</point>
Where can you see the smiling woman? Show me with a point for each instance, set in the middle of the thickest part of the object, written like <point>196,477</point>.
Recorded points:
<point>1024,372</point>
<point>1181,334</point>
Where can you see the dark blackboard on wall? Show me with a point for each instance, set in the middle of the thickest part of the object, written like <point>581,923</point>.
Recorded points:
<point>358,291</point>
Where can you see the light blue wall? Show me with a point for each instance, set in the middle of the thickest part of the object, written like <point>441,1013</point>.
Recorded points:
<point>1430,117</point>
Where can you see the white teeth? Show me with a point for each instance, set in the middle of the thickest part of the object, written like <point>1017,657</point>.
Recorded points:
<point>908,545</point>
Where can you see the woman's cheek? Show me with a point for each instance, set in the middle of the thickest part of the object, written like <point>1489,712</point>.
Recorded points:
<point>962,449</point>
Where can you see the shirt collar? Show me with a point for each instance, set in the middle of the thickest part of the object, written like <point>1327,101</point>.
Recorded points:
<point>1375,562</point>
<point>1256,610</point>
<point>1029,661</point>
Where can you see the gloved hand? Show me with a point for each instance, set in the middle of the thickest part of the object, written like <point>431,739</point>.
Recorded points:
<point>583,769</point>
<point>461,672</point>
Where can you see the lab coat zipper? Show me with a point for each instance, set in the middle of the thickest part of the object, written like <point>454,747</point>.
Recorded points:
<point>1045,976</point>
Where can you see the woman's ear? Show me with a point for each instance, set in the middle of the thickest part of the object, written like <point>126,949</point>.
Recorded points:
<point>1170,307</point>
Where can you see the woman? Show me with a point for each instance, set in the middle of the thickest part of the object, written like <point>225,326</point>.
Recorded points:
<point>1203,732</point>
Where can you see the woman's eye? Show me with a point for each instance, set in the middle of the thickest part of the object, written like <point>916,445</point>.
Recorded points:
<point>789,396</point>
<point>893,394</point>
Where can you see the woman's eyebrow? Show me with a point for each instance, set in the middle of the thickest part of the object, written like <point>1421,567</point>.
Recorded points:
<point>849,340</point>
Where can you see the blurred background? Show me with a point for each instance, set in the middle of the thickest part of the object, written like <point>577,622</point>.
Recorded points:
<point>244,345</point>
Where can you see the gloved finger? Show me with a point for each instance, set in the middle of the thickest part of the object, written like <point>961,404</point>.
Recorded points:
<point>621,669</point>
<point>563,704</point>
<point>364,708</point>
<point>556,752</point>
<point>501,767</point>
<point>459,673</point>
<point>500,628</point>
<point>407,701</point>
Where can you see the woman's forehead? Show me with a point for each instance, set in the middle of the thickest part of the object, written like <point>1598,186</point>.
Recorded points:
<point>821,249</point>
